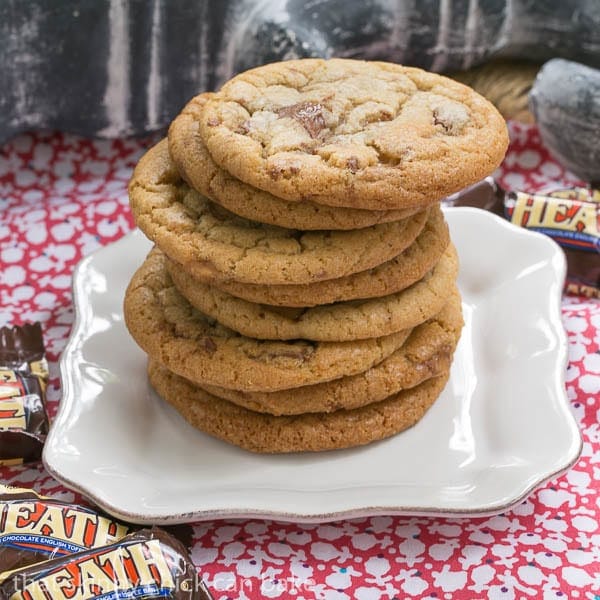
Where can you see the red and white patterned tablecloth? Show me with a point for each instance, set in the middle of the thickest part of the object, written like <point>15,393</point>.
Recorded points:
<point>61,197</point>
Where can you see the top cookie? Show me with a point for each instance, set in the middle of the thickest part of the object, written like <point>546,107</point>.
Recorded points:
<point>359,134</point>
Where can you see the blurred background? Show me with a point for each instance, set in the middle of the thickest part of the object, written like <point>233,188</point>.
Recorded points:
<point>111,68</point>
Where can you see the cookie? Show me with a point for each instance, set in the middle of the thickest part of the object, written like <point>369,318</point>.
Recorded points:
<point>196,166</point>
<point>426,353</point>
<point>195,346</point>
<point>359,134</point>
<point>206,238</point>
<point>390,277</point>
<point>259,432</point>
<point>338,322</point>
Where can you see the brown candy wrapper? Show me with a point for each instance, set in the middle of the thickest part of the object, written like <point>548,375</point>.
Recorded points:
<point>34,528</point>
<point>23,380</point>
<point>569,216</point>
<point>149,563</point>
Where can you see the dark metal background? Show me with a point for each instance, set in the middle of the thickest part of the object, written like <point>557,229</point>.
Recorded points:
<point>118,67</point>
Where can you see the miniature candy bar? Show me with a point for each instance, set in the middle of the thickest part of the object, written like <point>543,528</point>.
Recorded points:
<point>147,564</point>
<point>34,528</point>
<point>571,217</point>
<point>23,377</point>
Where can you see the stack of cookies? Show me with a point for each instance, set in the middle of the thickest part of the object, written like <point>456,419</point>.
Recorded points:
<point>301,293</point>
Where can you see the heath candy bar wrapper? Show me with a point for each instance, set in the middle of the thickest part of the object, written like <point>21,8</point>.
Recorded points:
<point>571,217</point>
<point>23,380</point>
<point>35,528</point>
<point>147,564</point>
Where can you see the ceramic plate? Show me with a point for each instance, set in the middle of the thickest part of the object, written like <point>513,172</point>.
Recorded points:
<point>501,427</point>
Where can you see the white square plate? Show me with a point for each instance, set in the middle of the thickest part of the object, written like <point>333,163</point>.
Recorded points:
<point>501,427</point>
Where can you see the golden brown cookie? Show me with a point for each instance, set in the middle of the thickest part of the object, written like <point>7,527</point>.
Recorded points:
<point>426,353</point>
<point>338,322</point>
<point>194,346</point>
<point>200,171</point>
<point>359,134</point>
<point>259,432</point>
<point>207,239</point>
<point>390,277</point>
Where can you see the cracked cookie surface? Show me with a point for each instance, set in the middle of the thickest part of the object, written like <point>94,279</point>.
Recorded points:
<point>338,322</point>
<point>195,346</point>
<point>388,278</point>
<point>426,353</point>
<point>208,240</point>
<point>359,134</point>
<point>196,166</point>
<point>264,433</point>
